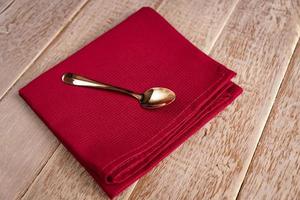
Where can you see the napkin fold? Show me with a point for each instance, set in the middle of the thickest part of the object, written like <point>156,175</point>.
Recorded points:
<point>110,134</point>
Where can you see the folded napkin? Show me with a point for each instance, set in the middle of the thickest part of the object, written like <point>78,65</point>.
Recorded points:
<point>110,134</point>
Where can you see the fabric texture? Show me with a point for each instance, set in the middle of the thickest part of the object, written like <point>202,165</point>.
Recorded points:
<point>110,134</point>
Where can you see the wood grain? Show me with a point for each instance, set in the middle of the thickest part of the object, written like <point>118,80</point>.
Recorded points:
<point>274,170</point>
<point>25,142</point>
<point>199,21</point>
<point>48,186</point>
<point>67,179</point>
<point>26,29</point>
<point>257,42</point>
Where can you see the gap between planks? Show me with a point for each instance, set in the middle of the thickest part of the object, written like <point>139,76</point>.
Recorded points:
<point>43,48</point>
<point>31,63</point>
<point>7,6</point>
<point>223,26</point>
<point>270,111</point>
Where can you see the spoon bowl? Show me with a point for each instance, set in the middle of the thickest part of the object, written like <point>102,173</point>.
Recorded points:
<point>157,97</point>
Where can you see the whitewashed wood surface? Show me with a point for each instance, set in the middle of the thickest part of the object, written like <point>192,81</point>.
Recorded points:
<point>249,151</point>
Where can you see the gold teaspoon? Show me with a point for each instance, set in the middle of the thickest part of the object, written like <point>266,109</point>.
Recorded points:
<point>152,98</point>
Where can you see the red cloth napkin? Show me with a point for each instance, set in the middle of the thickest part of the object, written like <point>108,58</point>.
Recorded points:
<point>110,134</point>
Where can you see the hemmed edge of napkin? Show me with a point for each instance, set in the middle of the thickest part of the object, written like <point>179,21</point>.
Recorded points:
<point>118,188</point>
<point>225,76</point>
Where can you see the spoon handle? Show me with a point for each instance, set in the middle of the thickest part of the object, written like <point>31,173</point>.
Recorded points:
<point>77,80</point>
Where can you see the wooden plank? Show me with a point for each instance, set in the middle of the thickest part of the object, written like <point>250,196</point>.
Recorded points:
<point>62,172</point>
<point>67,179</point>
<point>274,170</point>
<point>26,29</point>
<point>25,142</point>
<point>199,21</point>
<point>257,42</point>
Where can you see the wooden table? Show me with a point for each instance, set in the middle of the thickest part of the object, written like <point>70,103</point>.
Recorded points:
<point>249,151</point>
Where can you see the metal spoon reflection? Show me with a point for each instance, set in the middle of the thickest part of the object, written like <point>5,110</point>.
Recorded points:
<point>155,97</point>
